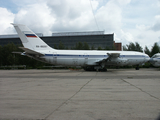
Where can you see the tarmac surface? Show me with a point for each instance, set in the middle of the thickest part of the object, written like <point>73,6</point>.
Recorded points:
<point>119,94</point>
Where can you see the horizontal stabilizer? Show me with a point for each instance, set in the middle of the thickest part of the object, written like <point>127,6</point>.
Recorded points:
<point>29,51</point>
<point>17,53</point>
<point>20,53</point>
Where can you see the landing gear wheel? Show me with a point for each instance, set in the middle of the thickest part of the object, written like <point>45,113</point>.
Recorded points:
<point>102,69</point>
<point>89,69</point>
<point>137,68</point>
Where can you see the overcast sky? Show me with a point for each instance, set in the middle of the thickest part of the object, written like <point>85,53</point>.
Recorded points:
<point>129,20</point>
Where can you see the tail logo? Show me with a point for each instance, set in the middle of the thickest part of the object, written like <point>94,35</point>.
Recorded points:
<point>31,35</point>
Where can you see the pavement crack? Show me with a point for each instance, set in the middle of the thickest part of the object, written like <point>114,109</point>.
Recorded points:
<point>65,102</point>
<point>140,89</point>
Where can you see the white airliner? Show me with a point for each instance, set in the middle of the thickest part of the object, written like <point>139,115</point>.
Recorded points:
<point>36,48</point>
<point>155,60</point>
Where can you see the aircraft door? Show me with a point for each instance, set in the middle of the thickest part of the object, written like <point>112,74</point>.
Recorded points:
<point>85,58</point>
<point>75,62</point>
<point>54,57</point>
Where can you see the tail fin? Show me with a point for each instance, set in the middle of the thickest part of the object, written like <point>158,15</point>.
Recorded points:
<point>29,39</point>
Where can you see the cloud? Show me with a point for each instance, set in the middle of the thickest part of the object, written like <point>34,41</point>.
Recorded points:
<point>121,2</point>
<point>67,15</point>
<point>156,26</point>
<point>158,3</point>
<point>109,16</point>
<point>148,34</point>
<point>142,27</point>
<point>6,18</point>
<point>71,16</point>
<point>36,16</point>
<point>127,36</point>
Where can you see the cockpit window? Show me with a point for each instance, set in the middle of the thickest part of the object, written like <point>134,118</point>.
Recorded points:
<point>155,56</point>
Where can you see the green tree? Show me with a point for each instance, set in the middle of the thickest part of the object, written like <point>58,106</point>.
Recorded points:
<point>61,46</point>
<point>8,58</point>
<point>147,51</point>
<point>125,48</point>
<point>55,46</point>
<point>138,47</point>
<point>133,47</point>
<point>92,47</point>
<point>86,46</point>
<point>0,55</point>
<point>67,48</point>
<point>155,49</point>
<point>99,48</point>
<point>107,48</point>
<point>79,46</point>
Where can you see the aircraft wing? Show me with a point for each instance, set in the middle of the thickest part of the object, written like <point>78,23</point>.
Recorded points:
<point>110,57</point>
<point>29,51</point>
<point>113,55</point>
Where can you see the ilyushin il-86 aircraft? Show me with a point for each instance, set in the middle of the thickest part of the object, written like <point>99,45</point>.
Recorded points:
<point>36,48</point>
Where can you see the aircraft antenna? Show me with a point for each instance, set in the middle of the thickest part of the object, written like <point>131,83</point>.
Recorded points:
<point>94,15</point>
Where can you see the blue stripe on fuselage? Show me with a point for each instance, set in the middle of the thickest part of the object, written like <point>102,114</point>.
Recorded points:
<point>97,56</point>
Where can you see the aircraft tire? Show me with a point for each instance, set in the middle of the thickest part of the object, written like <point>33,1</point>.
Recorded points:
<point>89,69</point>
<point>137,68</point>
<point>102,70</point>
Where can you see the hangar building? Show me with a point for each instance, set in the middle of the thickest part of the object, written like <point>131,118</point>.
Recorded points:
<point>69,39</point>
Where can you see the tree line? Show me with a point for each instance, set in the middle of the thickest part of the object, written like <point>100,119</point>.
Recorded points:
<point>7,58</point>
<point>136,47</point>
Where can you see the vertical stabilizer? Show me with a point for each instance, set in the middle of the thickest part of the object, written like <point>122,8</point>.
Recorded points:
<point>29,39</point>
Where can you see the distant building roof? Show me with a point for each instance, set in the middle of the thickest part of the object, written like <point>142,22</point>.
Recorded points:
<point>9,36</point>
<point>16,35</point>
<point>59,34</point>
<point>78,33</point>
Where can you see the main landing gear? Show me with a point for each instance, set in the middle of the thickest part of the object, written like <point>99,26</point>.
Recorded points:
<point>137,67</point>
<point>95,69</point>
<point>101,70</point>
